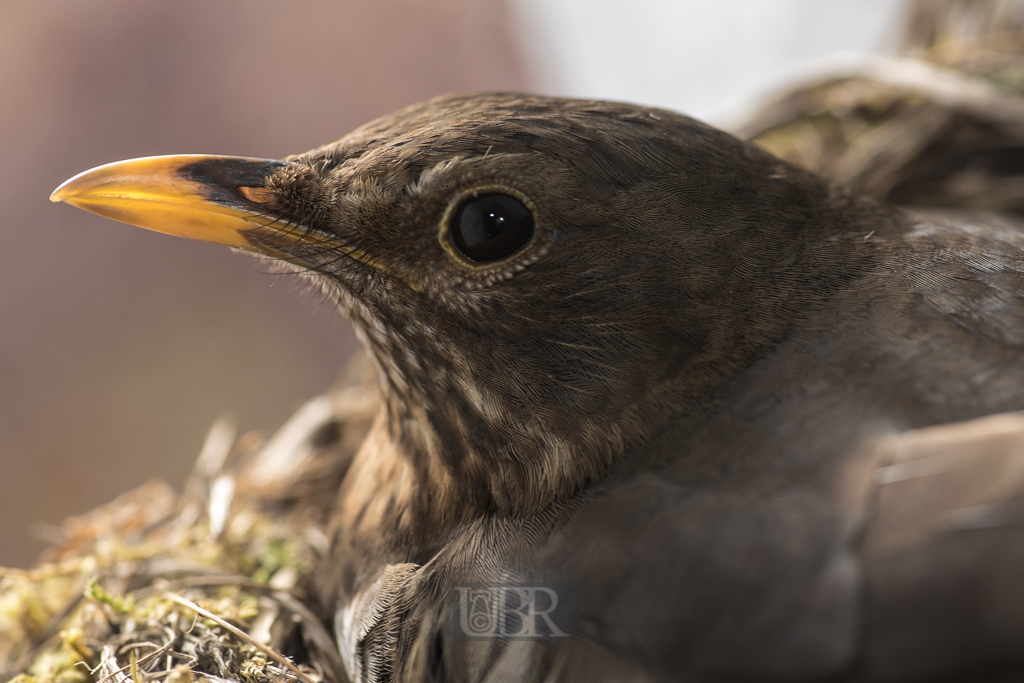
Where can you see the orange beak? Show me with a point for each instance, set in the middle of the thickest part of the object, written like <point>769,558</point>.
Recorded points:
<point>209,198</point>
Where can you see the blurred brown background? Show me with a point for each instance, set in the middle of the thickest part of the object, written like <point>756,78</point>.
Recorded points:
<point>119,347</point>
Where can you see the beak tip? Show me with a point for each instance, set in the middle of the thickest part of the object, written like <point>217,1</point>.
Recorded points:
<point>62,193</point>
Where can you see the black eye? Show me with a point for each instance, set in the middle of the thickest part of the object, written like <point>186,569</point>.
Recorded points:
<point>491,226</point>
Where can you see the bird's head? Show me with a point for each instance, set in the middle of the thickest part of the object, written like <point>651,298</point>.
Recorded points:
<point>544,283</point>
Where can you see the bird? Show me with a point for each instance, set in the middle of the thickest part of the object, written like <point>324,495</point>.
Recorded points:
<point>655,404</point>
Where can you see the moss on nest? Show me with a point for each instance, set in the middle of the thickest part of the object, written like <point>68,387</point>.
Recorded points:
<point>120,609</point>
<point>212,584</point>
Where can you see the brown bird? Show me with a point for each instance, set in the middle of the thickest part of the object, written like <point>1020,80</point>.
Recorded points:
<point>649,398</point>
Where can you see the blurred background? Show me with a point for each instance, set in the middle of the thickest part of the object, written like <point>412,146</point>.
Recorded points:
<point>119,347</point>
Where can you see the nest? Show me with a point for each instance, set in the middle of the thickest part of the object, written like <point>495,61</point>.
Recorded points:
<point>214,583</point>
<point>941,126</point>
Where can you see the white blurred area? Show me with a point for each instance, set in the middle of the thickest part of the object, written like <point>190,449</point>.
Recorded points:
<point>705,58</point>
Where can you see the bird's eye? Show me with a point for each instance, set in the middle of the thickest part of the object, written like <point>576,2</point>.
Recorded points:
<point>490,227</point>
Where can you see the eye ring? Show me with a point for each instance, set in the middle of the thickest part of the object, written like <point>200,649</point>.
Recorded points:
<point>488,226</point>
